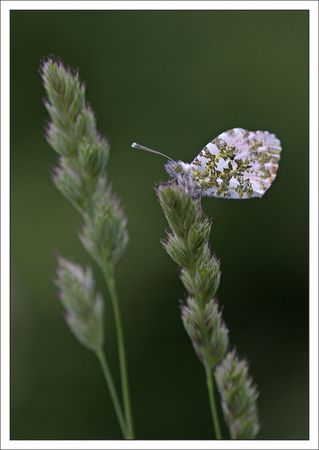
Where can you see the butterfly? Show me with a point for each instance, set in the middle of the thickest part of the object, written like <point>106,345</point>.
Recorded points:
<point>237,164</point>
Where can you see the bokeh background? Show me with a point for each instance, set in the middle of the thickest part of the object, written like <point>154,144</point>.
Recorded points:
<point>172,81</point>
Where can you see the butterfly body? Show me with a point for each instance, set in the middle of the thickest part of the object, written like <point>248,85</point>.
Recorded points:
<point>237,164</point>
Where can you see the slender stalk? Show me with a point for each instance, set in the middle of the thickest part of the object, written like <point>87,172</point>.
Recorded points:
<point>109,279</point>
<point>212,402</point>
<point>110,384</point>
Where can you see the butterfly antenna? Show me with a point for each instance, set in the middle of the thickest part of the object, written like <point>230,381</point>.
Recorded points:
<point>146,149</point>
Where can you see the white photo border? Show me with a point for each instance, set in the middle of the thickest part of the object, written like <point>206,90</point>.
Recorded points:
<point>6,7</point>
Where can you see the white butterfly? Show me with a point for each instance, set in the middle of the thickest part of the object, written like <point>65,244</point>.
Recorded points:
<point>238,164</point>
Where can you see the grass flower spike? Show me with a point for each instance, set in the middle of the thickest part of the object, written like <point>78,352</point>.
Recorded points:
<point>83,307</point>
<point>187,243</point>
<point>81,177</point>
<point>206,330</point>
<point>239,396</point>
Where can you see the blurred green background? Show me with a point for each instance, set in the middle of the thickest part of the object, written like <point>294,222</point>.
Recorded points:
<point>172,81</point>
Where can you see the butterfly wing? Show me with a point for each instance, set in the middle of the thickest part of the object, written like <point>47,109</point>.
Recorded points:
<point>238,164</point>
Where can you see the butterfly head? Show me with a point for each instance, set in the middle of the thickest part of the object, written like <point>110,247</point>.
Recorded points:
<point>182,174</point>
<point>177,169</point>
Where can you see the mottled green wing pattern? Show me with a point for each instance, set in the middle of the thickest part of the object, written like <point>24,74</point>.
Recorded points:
<point>238,164</point>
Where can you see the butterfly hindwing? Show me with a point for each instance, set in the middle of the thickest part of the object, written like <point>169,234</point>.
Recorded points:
<point>238,164</point>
